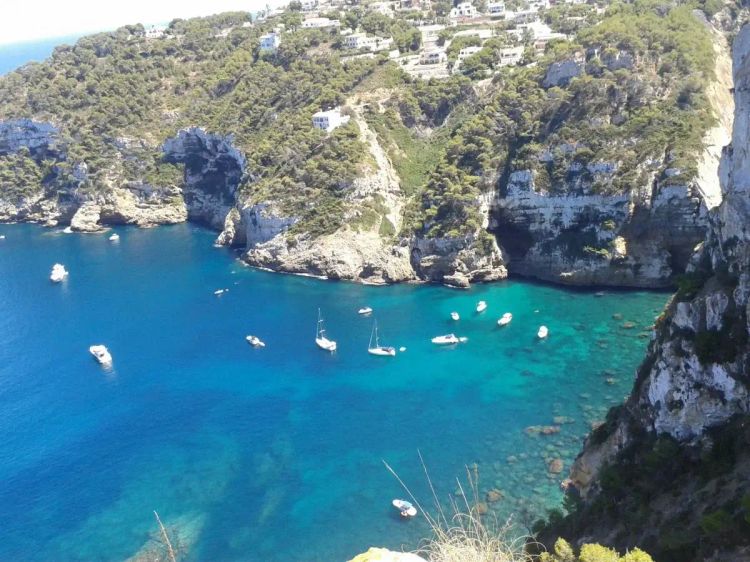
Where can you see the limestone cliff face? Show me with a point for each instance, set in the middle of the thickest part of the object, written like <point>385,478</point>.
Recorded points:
<point>585,233</point>
<point>214,168</point>
<point>691,399</point>
<point>640,239</point>
<point>360,250</point>
<point>669,471</point>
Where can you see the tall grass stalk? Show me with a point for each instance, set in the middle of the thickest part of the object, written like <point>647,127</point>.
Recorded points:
<point>465,534</point>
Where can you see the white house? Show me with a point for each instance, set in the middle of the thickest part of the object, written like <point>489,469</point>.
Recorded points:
<point>155,31</point>
<point>369,42</point>
<point>329,120</point>
<point>510,55</point>
<point>433,56</point>
<point>464,10</point>
<point>468,51</point>
<point>384,8</point>
<point>320,23</point>
<point>308,5</point>
<point>496,8</point>
<point>474,32</point>
<point>270,41</point>
<point>430,33</point>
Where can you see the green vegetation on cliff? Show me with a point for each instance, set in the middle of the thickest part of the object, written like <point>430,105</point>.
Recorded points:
<point>634,107</point>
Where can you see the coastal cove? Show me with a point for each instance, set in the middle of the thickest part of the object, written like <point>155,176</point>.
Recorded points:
<point>276,453</point>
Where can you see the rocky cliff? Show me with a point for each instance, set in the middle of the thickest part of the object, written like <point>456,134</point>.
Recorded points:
<point>670,470</point>
<point>581,231</point>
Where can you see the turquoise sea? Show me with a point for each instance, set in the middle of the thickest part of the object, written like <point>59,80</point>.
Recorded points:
<point>275,453</point>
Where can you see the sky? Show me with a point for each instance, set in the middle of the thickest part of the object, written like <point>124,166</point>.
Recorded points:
<point>42,19</point>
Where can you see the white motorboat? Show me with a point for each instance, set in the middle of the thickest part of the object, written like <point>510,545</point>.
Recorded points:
<point>405,508</point>
<point>505,319</point>
<point>365,311</point>
<point>220,292</point>
<point>448,339</point>
<point>320,336</point>
<point>255,341</point>
<point>402,349</point>
<point>114,237</point>
<point>101,354</point>
<point>481,306</point>
<point>2,236</point>
<point>455,316</point>
<point>378,349</point>
<point>59,273</point>
<point>542,332</point>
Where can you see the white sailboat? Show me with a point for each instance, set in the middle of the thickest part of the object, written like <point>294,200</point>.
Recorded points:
<point>481,306</point>
<point>505,319</point>
<point>378,349</point>
<point>320,336</point>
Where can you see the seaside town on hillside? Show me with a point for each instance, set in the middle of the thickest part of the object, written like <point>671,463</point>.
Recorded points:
<point>448,36</point>
<point>442,38</point>
<point>436,39</point>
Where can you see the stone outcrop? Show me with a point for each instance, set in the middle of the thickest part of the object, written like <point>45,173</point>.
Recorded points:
<point>38,137</point>
<point>214,168</point>
<point>375,554</point>
<point>561,72</point>
<point>87,218</point>
<point>457,261</point>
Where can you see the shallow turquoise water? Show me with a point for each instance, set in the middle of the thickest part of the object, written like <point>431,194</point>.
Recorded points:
<point>274,454</point>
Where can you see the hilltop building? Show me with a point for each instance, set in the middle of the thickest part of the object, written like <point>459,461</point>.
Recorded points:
<point>329,120</point>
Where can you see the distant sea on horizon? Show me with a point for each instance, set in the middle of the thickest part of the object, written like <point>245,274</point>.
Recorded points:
<point>277,453</point>
<point>13,55</point>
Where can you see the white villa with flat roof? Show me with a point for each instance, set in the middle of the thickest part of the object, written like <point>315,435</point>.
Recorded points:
<point>156,31</point>
<point>369,42</point>
<point>511,55</point>
<point>320,23</point>
<point>433,56</point>
<point>496,8</point>
<point>270,41</point>
<point>329,120</point>
<point>464,10</point>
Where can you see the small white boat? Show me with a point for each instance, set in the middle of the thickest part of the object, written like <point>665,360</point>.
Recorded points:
<point>405,508</point>
<point>377,349</point>
<point>448,339</point>
<point>320,336</point>
<point>402,349</point>
<point>59,273</point>
<point>220,292</point>
<point>101,354</point>
<point>542,332</point>
<point>364,311</point>
<point>481,306</point>
<point>114,237</point>
<point>505,319</point>
<point>255,341</point>
<point>2,236</point>
<point>455,316</point>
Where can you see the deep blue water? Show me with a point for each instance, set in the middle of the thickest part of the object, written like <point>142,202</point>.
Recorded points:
<point>13,55</point>
<point>276,453</point>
